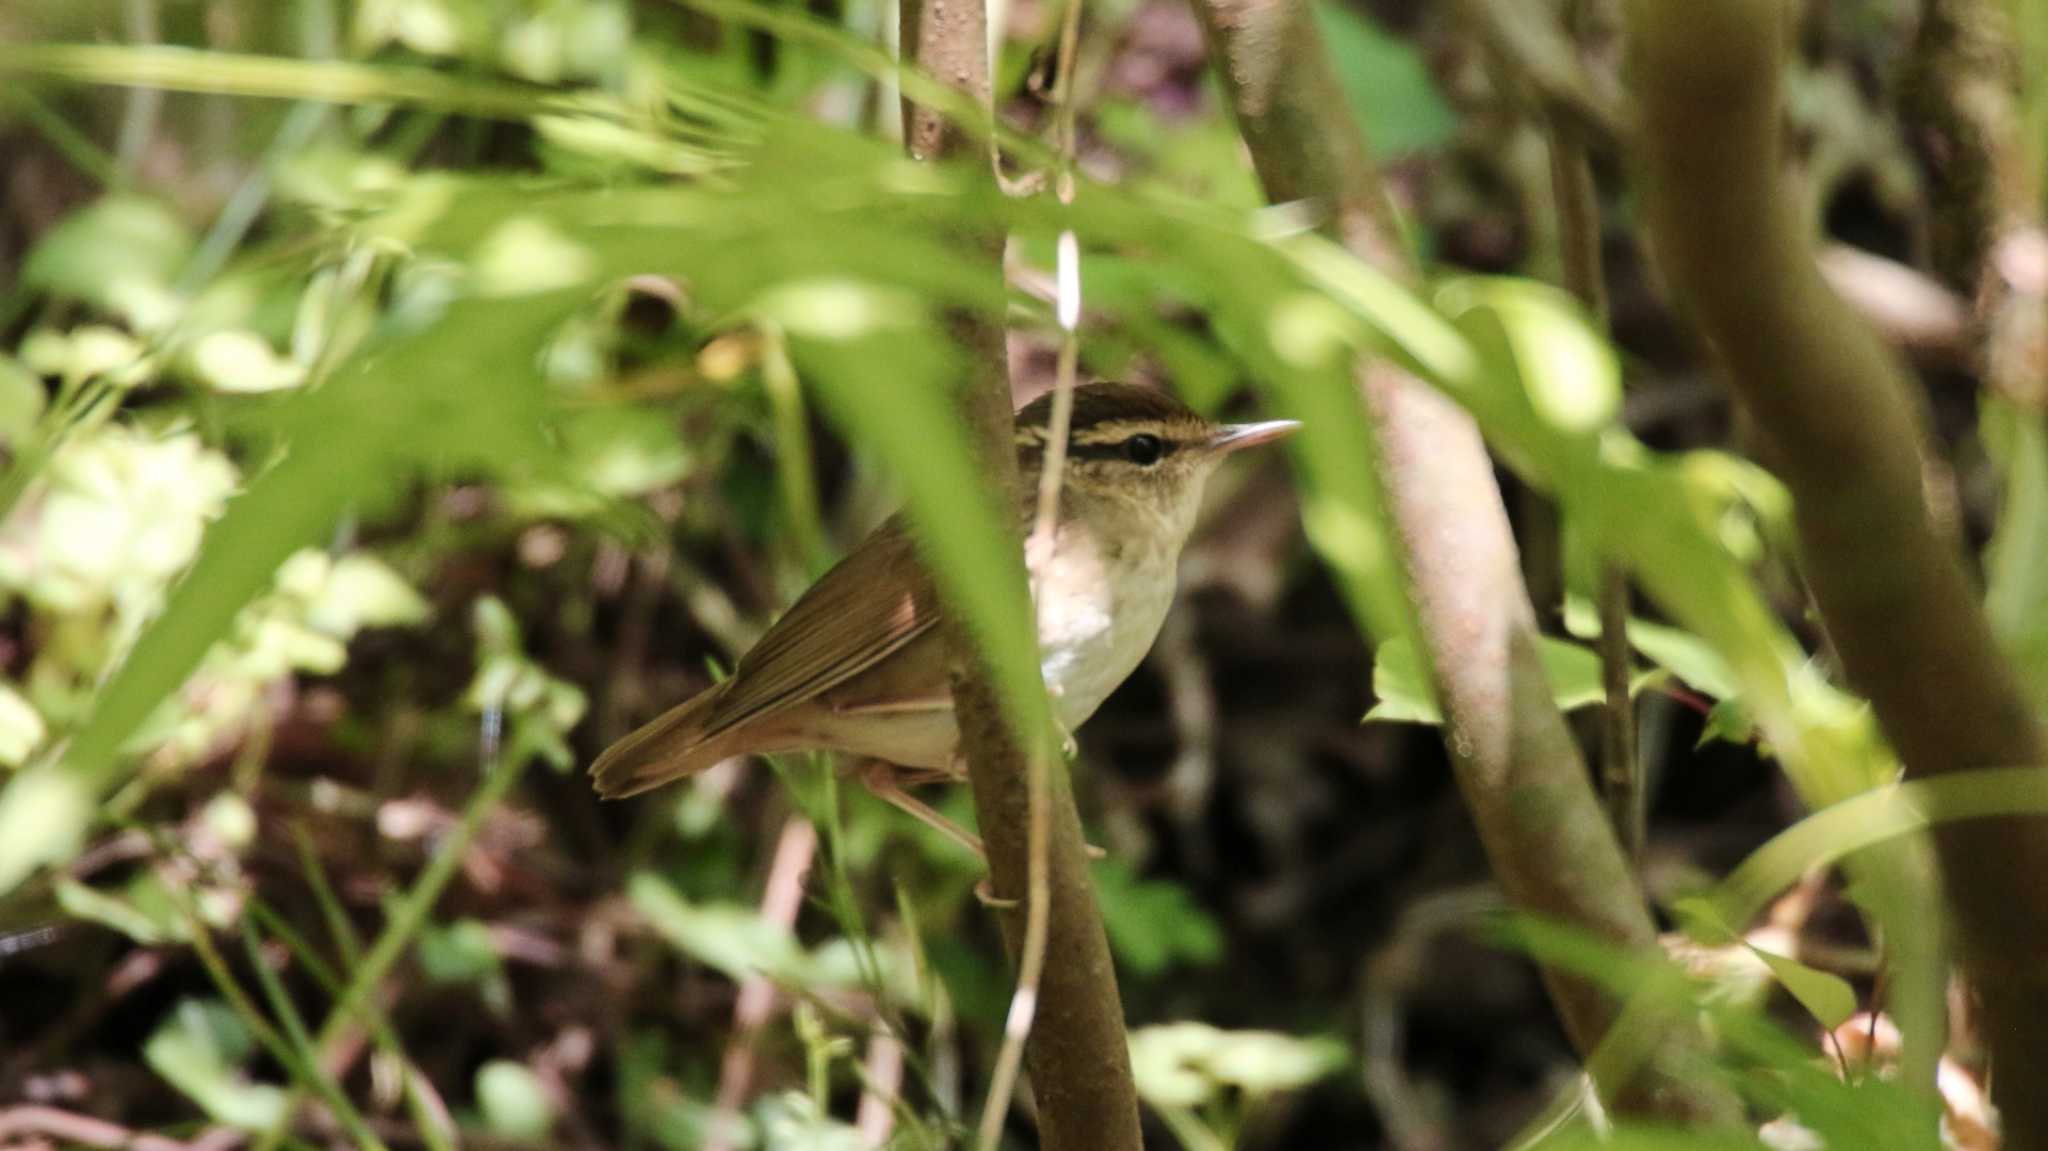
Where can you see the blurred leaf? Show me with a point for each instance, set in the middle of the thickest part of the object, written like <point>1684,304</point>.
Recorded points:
<point>21,727</point>
<point>2016,559</point>
<point>625,451</point>
<point>1570,373</point>
<point>1153,924</point>
<point>791,1121</point>
<point>1686,656</point>
<point>1404,693</point>
<point>119,254</point>
<point>514,1104</point>
<point>1871,818</point>
<point>1185,1065</point>
<point>461,952</point>
<point>237,361</point>
<point>733,940</point>
<point>198,1050</point>
<point>543,707</point>
<point>360,591</point>
<point>1827,997</point>
<point>94,906</point>
<point>361,432</point>
<point>22,400</point>
<point>1385,82</point>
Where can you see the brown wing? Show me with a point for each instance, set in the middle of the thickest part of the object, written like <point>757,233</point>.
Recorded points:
<point>839,628</point>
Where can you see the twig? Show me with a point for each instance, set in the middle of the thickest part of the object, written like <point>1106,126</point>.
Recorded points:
<point>781,899</point>
<point>883,1082</point>
<point>1040,549</point>
<point>410,913</point>
<point>31,1120</point>
<point>1577,203</point>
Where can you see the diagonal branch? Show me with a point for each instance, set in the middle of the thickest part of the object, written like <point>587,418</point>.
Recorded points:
<point>1517,763</point>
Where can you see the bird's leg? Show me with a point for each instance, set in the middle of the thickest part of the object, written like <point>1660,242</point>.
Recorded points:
<point>884,781</point>
<point>880,778</point>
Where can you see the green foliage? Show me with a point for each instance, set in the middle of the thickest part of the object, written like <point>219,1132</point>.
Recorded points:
<point>1387,85</point>
<point>192,465</point>
<point>1153,924</point>
<point>199,1049</point>
<point>1404,695</point>
<point>514,1104</point>
<point>1206,1082</point>
<point>120,254</point>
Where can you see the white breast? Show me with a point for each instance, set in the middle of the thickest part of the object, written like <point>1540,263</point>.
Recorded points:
<point>1089,644</point>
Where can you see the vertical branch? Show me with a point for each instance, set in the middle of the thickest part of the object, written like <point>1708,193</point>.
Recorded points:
<point>1832,402</point>
<point>1516,762</point>
<point>1577,203</point>
<point>1078,1057</point>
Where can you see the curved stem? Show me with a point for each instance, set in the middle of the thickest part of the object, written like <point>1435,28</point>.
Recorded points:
<point>1831,402</point>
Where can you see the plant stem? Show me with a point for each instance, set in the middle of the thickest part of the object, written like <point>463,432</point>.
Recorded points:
<point>1829,401</point>
<point>1577,203</point>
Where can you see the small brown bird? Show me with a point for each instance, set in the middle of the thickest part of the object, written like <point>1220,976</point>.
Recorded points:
<point>857,665</point>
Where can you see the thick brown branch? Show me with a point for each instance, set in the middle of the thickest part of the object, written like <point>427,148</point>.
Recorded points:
<point>1078,1056</point>
<point>1839,417</point>
<point>1516,761</point>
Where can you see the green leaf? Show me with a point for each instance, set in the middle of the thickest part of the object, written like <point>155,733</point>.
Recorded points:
<point>94,906</point>
<point>1685,655</point>
<point>237,361</point>
<point>2016,559</point>
<point>119,253</point>
<point>362,431</point>
<point>21,727</point>
<point>22,399</point>
<point>1385,82</point>
<point>198,1050</point>
<point>514,1103</point>
<point>1188,1064</point>
<point>1826,997</point>
<point>1153,924</point>
<point>730,939</point>
<point>1405,696</point>
<point>625,451</point>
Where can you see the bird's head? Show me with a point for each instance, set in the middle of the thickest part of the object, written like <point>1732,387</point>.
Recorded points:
<point>1137,447</point>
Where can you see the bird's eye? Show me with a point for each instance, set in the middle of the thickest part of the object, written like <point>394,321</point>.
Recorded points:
<point>1144,450</point>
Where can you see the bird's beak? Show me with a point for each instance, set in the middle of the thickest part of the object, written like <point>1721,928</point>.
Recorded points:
<point>1237,437</point>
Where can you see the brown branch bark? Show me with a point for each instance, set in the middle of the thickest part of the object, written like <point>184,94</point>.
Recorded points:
<point>1517,765</point>
<point>1842,426</point>
<point>1078,1056</point>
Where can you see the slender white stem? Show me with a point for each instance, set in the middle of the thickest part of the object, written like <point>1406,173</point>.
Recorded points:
<point>1039,552</point>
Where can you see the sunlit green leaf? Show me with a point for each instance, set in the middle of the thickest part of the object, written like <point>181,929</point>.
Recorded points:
<point>119,253</point>
<point>1187,1064</point>
<point>21,727</point>
<point>22,399</point>
<point>1404,694</point>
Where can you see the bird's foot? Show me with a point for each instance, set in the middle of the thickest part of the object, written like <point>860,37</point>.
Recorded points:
<point>884,782</point>
<point>985,892</point>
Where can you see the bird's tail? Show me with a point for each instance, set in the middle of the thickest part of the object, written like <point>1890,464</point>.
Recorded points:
<point>667,748</point>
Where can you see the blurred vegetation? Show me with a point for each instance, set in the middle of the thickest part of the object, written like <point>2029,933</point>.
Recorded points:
<point>404,398</point>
